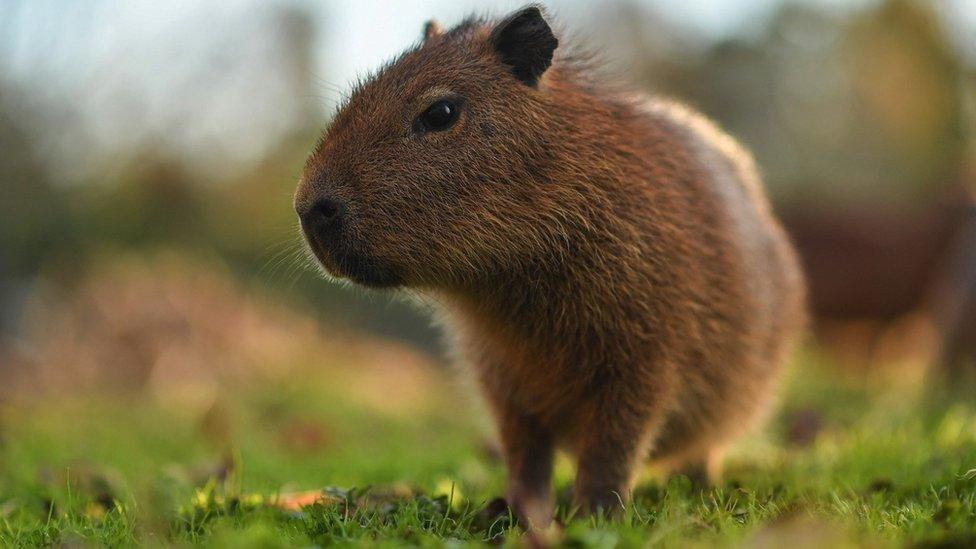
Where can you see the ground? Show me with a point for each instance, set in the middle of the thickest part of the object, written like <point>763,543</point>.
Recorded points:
<point>845,461</point>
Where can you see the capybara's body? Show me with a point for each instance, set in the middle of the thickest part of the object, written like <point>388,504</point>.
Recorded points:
<point>609,266</point>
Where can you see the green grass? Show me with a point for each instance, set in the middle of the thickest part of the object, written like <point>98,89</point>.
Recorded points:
<point>882,467</point>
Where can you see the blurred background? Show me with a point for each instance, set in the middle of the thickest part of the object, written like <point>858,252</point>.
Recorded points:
<point>149,151</point>
<point>161,325</point>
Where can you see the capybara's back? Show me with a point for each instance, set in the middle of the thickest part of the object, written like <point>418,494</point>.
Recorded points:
<point>755,294</point>
<point>607,265</point>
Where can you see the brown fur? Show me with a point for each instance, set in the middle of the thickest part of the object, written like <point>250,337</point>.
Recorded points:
<point>608,265</point>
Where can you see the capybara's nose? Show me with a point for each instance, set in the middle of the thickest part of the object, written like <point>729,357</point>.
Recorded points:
<point>327,210</point>
<point>325,215</point>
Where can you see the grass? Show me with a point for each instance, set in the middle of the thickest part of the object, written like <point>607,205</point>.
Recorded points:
<point>843,463</point>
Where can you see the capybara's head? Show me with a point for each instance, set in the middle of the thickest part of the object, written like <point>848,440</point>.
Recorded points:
<point>429,173</point>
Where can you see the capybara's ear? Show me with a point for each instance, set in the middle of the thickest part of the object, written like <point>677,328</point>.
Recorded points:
<point>525,43</point>
<point>431,29</point>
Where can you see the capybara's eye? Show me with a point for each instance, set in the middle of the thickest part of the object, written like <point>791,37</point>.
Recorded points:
<point>439,116</point>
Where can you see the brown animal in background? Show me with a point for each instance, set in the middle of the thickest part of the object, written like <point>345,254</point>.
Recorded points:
<point>608,265</point>
<point>892,285</point>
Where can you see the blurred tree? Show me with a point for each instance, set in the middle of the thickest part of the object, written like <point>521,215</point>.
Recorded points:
<point>154,199</point>
<point>33,221</point>
<point>907,83</point>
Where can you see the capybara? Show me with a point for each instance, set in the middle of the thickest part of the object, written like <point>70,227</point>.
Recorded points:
<point>607,264</point>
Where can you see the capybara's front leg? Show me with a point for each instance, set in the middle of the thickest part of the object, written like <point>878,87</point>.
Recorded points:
<point>528,452</point>
<point>612,445</point>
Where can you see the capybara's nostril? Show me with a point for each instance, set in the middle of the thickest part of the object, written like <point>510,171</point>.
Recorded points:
<point>325,212</point>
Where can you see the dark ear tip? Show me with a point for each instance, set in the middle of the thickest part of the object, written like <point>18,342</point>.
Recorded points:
<point>530,12</point>
<point>525,42</point>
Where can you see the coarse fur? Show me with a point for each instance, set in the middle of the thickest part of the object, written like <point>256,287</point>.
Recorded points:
<point>607,264</point>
